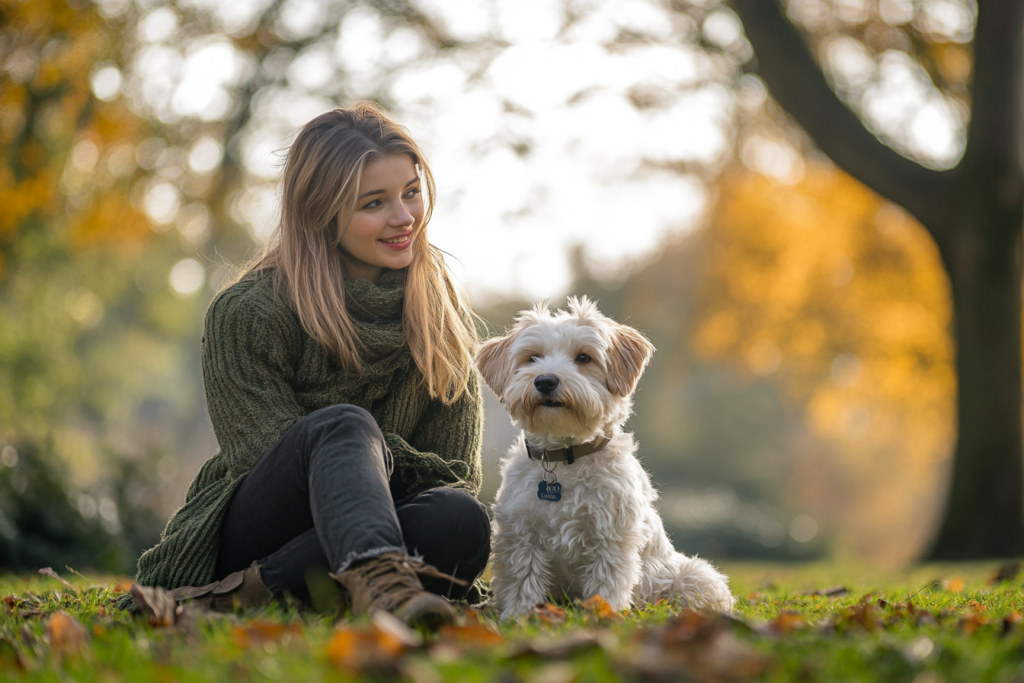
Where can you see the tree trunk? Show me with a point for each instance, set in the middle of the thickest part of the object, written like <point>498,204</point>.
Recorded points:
<point>984,513</point>
<point>975,213</point>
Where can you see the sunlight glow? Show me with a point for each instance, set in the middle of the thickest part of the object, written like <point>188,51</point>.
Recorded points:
<point>560,141</point>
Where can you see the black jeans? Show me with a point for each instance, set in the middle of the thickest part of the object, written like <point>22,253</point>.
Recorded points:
<point>319,500</point>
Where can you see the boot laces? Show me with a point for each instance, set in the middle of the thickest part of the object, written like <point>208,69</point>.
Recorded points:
<point>393,580</point>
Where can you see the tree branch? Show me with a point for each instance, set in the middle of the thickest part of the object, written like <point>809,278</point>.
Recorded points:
<point>994,134</point>
<point>799,86</point>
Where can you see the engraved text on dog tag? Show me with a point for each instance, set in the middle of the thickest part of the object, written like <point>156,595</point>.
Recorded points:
<point>552,491</point>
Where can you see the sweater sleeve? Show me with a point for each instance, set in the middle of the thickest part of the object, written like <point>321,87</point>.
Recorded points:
<point>447,447</point>
<point>250,344</point>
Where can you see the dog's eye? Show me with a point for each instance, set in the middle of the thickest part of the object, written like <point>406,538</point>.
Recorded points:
<point>534,359</point>
<point>582,358</point>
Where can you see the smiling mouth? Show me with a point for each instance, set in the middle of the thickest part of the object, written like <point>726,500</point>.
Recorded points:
<point>397,240</point>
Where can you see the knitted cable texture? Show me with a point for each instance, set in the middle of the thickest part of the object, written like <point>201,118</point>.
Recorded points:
<point>263,373</point>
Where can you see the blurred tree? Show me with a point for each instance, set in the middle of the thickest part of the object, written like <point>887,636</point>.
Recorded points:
<point>89,327</point>
<point>841,297</point>
<point>973,211</point>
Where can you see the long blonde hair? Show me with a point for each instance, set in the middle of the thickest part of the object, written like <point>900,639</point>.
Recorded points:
<point>321,184</point>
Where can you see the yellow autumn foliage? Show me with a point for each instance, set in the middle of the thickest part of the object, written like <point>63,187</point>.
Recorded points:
<point>843,295</point>
<point>46,107</point>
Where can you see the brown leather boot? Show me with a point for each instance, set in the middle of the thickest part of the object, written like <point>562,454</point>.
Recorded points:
<point>240,590</point>
<point>390,583</point>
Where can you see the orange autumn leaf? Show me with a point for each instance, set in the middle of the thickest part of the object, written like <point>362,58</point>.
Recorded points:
<point>548,613</point>
<point>971,622</point>
<point>600,608</point>
<point>65,633</point>
<point>685,626</point>
<point>473,634</point>
<point>956,585</point>
<point>122,585</point>
<point>788,621</point>
<point>862,615</point>
<point>353,650</point>
<point>260,631</point>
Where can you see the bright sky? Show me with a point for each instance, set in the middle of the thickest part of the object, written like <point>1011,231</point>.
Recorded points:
<point>536,148</point>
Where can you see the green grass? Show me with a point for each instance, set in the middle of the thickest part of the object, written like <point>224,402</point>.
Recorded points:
<point>960,627</point>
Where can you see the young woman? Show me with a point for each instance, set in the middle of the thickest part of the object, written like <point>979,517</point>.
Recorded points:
<point>341,387</point>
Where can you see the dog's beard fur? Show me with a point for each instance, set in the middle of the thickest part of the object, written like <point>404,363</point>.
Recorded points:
<point>567,420</point>
<point>604,535</point>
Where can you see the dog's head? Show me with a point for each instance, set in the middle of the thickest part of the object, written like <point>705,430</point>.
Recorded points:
<point>566,375</point>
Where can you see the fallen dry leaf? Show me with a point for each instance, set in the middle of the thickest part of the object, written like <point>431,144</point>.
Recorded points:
<point>566,647</point>
<point>698,646</point>
<point>395,627</point>
<point>11,602</point>
<point>954,585</point>
<point>65,633</point>
<point>548,613</point>
<point>358,650</point>
<point>970,622</point>
<point>788,621</point>
<point>685,626</point>
<point>471,634</point>
<point>121,585</point>
<point>260,631</point>
<point>47,571</point>
<point>863,615</point>
<point>599,607</point>
<point>156,602</point>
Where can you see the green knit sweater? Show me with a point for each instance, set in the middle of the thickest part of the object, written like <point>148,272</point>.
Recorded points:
<point>263,373</point>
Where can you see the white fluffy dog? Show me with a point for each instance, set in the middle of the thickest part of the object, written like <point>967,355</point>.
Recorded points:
<point>575,512</point>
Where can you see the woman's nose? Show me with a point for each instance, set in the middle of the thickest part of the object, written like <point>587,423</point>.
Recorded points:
<point>401,216</point>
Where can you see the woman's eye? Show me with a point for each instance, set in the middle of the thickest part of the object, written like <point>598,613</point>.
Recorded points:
<point>374,204</point>
<point>413,192</point>
<point>582,358</point>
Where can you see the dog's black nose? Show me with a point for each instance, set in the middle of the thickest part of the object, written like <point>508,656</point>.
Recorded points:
<point>546,383</point>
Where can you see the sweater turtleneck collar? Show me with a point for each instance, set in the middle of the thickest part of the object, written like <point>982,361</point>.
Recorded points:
<point>372,302</point>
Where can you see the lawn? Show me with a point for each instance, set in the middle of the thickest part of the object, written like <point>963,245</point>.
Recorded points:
<point>816,622</point>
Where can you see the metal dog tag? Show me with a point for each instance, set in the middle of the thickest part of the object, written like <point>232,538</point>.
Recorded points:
<point>549,491</point>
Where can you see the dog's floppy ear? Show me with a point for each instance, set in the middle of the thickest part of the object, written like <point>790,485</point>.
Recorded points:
<point>628,356</point>
<point>495,363</point>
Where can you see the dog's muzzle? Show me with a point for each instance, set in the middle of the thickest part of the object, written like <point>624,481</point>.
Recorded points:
<point>546,385</point>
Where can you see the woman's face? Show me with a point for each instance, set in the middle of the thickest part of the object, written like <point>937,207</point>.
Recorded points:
<point>386,220</point>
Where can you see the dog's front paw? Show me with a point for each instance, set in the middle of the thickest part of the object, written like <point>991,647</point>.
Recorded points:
<point>715,594</point>
<point>702,585</point>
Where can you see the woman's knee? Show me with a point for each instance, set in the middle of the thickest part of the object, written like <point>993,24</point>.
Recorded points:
<point>342,418</point>
<point>345,430</point>
<point>455,515</point>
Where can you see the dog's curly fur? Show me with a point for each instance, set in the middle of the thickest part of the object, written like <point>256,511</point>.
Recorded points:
<point>604,537</point>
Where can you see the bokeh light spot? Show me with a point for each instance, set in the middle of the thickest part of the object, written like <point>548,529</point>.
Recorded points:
<point>187,276</point>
